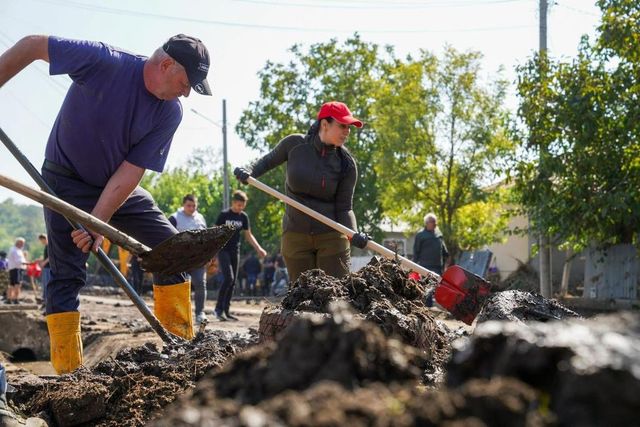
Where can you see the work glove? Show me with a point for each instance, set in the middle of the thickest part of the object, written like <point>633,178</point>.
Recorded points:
<point>242,175</point>
<point>359,240</point>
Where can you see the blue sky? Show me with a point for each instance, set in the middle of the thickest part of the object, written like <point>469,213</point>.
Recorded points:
<point>243,34</point>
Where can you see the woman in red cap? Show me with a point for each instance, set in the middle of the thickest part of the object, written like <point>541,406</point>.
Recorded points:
<point>321,174</point>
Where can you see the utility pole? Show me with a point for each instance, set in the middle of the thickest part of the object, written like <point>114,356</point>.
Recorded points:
<point>225,169</point>
<point>544,249</point>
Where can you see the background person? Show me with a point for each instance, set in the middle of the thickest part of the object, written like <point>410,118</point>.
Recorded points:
<point>44,265</point>
<point>229,255</point>
<point>188,218</point>
<point>252,268</point>
<point>17,261</point>
<point>321,174</point>
<point>429,249</point>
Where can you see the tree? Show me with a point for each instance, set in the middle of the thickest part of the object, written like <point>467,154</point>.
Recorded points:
<point>441,137</point>
<point>199,176</point>
<point>582,114</point>
<point>21,221</point>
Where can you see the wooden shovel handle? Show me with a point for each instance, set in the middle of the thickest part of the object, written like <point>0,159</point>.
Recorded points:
<point>78,215</point>
<point>342,229</point>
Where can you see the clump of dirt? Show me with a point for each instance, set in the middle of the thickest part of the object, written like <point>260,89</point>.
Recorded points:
<point>589,369</point>
<point>524,278</point>
<point>195,247</point>
<point>519,306</point>
<point>340,370</point>
<point>129,389</point>
<point>380,292</point>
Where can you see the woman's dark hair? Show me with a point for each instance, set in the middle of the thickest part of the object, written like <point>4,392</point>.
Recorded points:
<point>315,127</point>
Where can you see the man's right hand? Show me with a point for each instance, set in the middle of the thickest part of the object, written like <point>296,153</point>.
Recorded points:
<point>87,240</point>
<point>242,175</point>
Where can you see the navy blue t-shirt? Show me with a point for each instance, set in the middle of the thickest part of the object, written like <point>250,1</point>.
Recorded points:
<point>108,115</point>
<point>238,220</point>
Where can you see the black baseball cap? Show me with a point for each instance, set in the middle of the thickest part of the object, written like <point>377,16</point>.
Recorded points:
<point>192,54</point>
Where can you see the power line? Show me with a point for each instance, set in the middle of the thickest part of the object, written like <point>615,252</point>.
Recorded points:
<point>124,12</point>
<point>378,5</point>
<point>575,9</point>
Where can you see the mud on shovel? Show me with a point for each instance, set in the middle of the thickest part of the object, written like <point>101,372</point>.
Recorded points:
<point>459,291</point>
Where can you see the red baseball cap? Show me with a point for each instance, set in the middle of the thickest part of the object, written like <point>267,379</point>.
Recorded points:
<point>340,112</point>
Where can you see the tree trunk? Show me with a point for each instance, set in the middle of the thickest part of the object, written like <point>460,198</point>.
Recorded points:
<point>545,266</point>
<point>566,273</point>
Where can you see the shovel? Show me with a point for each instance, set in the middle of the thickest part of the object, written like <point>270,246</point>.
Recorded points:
<point>459,291</point>
<point>183,252</point>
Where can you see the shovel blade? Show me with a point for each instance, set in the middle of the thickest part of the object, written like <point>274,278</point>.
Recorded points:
<point>462,293</point>
<point>187,250</point>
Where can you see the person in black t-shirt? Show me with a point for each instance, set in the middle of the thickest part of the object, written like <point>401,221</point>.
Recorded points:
<point>229,255</point>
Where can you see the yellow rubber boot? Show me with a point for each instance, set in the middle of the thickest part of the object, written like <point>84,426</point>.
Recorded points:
<point>172,307</point>
<point>65,341</point>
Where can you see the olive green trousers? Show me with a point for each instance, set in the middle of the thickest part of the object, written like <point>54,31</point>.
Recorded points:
<point>330,252</point>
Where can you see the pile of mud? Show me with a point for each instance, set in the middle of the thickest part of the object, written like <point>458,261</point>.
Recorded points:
<point>126,390</point>
<point>589,369</point>
<point>382,293</point>
<point>520,306</point>
<point>341,370</point>
<point>524,278</point>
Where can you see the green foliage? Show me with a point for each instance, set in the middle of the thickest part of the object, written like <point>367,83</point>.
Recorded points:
<point>441,137</point>
<point>21,221</point>
<point>578,176</point>
<point>198,177</point>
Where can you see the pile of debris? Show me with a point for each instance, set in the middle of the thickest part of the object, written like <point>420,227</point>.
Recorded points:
<point>126,390</point>
<point>382,293</point>
<point>520,306</point>
<point>589,369</point>
<point>342,370</point>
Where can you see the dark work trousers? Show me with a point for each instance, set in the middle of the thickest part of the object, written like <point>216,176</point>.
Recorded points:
<point>228,263</point>
<point>199,288</point>
<point>138,217</point>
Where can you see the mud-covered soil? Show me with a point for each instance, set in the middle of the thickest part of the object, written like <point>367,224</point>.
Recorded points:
<point>525,278</point>
<point>520,306</point>
<point>187,250</point>
<point>382,293</point>
<point>128,389</point>
<point>340,370</point>
<point>589,369</point>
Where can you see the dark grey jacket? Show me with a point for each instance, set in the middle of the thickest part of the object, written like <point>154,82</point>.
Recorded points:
<point>319,176</point>
<point>429,250</point>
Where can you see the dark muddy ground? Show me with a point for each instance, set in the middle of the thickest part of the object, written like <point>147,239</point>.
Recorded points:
<point>589,369</point>
<point>382,293</point>
<point>128,389</point>
<point>340,370</point>
<point>520,306</point>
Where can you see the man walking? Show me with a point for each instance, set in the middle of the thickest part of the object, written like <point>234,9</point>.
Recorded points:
<point>117,120</point>
<point>188,218</point>
<point>44,265</point>
<point>429,249</point>
<point>17,261</point>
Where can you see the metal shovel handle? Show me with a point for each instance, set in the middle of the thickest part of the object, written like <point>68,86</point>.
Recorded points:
<point>342,229</point>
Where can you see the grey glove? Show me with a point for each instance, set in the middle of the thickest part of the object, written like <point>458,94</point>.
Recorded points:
<point>242,175</point>
<point>359,240</point>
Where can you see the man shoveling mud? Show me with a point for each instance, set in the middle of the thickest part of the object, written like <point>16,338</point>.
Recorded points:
<point>117,120</point>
